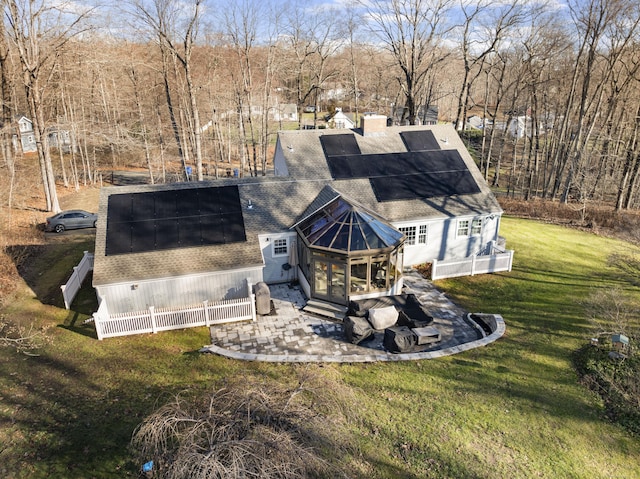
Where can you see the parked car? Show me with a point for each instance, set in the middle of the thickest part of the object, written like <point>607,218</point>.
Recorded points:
<point>309,109</point>
<point>71,220</point>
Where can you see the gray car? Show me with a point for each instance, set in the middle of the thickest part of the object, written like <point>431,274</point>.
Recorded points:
<point>71,220</point>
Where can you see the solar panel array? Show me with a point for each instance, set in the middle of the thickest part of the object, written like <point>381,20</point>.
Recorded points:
<point>420,140</point>
<point>161,220</point>
<point>424,171</point>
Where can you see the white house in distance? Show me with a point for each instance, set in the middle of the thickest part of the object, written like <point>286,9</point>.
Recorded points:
<point>339,120</point>
<point>27,139</point>
<point>345,213</point>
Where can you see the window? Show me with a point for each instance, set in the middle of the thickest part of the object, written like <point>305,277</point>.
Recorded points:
<point>280,247</point>
<point>410,233</point>
<point>463,228</point>
<point>468,227</point>
<point>422,234</point>
<point>476,226</point>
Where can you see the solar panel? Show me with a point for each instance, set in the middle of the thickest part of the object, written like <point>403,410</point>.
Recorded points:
<point>419,140</point>
<point>229,198</point>
<point>161,220</point>
<point>188,203</point>
<point>233,226</point>
<point>390,164</point>
<point>428,185</point>
<point>165,202</point>
<point>143,236</point>
<point>212,232</point>
<point>339,145</point>
<point>118,239</point>
<point>189,233</point>
<point>120,208</point>
<point>209,201</point>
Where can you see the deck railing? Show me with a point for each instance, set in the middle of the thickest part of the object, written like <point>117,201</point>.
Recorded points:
<point>498,260</point>
<point>154,320</point>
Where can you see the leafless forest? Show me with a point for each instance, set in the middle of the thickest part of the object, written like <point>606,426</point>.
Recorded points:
<point>202,86</point>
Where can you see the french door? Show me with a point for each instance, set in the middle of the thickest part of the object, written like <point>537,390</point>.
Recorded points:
<point>329,281</point>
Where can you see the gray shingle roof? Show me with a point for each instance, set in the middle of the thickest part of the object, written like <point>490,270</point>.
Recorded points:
<point>306,160</point>
<point>279,202</point>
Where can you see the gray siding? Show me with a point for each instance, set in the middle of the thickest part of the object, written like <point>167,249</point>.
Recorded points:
<point>177,291</point>
<point>273,271</point>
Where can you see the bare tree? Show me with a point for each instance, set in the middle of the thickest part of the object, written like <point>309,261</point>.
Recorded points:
<point>484,28</point>
<point>311,39</point>
<point>612,311</point>
<point>413,32</point>
<point>164,17</point>
<point>6,112</point>
<point>26,340</point>
<point>39,32</point>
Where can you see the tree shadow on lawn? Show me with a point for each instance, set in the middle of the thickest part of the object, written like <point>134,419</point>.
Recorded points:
<point>84,305</point>
<point>73,426</point>
<point>44,268</point>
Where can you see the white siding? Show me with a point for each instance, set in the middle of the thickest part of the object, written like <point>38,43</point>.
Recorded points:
<point>177,291</point>
<point>273,272</point>
<point>443,241</point>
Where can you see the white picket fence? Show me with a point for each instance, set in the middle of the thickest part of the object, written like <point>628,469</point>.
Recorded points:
<point>73,285</point>
<point>481,264</point>
<point>164,319</point>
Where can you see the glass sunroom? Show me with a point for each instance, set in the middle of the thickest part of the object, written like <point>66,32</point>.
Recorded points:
<point>346,252</point>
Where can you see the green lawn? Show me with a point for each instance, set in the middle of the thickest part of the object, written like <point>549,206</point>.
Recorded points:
<point>512,409</point>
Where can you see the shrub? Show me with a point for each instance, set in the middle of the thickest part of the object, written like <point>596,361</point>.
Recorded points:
<point>617,381</point>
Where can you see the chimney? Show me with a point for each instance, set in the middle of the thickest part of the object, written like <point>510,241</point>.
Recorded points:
<point>373,125</point>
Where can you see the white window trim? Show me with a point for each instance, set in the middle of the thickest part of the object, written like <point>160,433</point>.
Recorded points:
<point>422,237</point>
<point>474,227</point>
<point>408,237</point>
<point>274,245</point>
<point>467,229</point>
<point>419,239</point>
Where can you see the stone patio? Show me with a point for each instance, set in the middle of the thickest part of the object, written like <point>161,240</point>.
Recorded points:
<point>289,334</point>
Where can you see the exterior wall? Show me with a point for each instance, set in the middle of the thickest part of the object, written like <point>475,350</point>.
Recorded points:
<point>443,241</point>
<point>273,271</point>
<point>177,291</point>
<point>279,162</point>
<point>27,136</point>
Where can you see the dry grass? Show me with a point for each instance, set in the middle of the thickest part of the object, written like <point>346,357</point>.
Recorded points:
<point>249,428</point>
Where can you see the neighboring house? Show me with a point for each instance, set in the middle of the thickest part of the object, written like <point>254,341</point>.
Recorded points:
<point>475,122</point>
<point>425,115</point>
<point>340,121</point>
<point>27,140</point>
<point>345,213</point>
<point>428,115</point>
<point>521,126</point>
<point>284,112</point>
<point>60,139</point>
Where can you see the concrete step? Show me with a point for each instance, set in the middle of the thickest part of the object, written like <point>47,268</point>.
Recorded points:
<point>325,309</point>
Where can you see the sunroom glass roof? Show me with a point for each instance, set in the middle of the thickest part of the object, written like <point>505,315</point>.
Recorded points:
<point>343,227</point>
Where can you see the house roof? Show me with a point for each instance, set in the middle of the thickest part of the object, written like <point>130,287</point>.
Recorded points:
<point>270,212</point>
<point>278,203</point>
<point>306,160</point>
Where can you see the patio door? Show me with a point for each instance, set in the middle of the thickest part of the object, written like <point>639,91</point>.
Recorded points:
<point>329,281</point>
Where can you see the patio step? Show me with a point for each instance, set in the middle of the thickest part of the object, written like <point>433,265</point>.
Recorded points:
<point>323,308</point>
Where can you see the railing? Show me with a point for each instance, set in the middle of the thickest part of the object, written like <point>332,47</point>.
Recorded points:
<point>74,283</point>
<point>500,260</point>
<point>164,319</point>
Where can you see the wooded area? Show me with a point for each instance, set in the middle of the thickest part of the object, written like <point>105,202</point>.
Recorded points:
<point>549,91</point>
